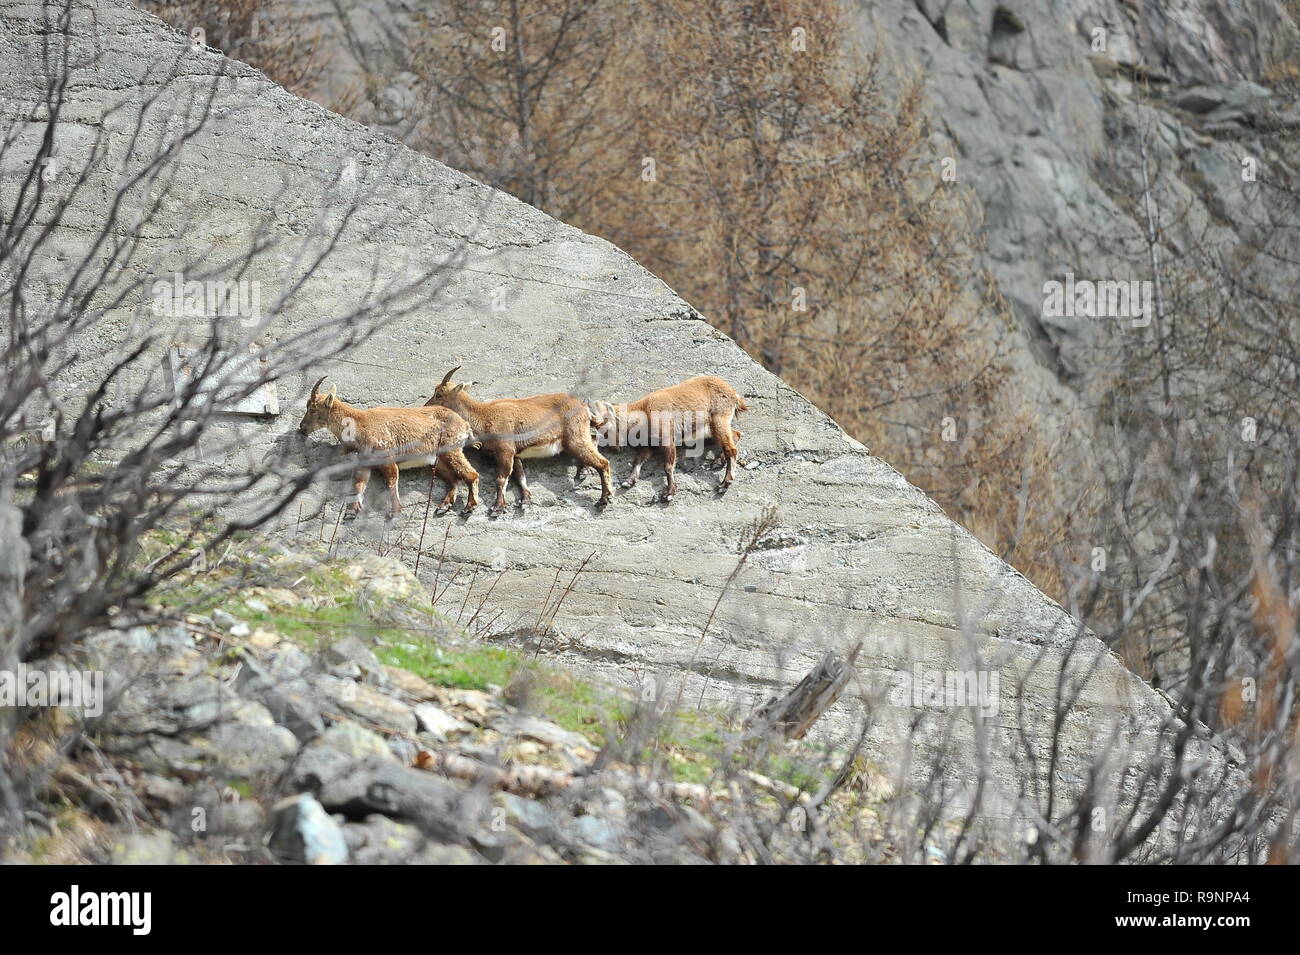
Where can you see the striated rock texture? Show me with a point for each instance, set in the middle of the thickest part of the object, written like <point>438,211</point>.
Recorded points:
<point>529,305</point>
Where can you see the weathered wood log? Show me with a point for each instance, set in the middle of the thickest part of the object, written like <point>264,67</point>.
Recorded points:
<point>812,696</point>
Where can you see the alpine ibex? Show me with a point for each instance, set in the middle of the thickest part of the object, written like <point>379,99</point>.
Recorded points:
<point>399,438</point>
<point>684,413</point>
<point>511,429</point>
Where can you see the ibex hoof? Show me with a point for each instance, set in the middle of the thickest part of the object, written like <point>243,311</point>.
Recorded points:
<point>441,509</point>
<point>628,485</point>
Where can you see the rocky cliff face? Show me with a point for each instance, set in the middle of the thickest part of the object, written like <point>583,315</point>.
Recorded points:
<point>1045,106</point>
<point>529,305</point>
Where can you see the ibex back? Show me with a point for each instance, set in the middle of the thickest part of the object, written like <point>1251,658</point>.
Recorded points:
<point>510,429</point>
<point>685,413</point>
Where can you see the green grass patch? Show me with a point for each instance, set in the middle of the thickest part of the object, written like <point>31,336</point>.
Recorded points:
<point>553,695</point>
<point>474,668</point>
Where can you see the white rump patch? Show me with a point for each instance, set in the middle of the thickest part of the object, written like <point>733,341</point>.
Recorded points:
<point>423,461</point>
<point>548,450</point>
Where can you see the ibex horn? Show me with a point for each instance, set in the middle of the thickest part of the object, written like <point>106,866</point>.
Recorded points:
<point>315,389</point>
<point>447,377</point>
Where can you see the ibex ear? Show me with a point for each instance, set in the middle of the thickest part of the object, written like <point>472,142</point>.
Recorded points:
<point>460,387</point>
<point>329,400</point>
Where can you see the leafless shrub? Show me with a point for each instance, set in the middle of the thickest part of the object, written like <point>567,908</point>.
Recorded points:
<point>85,473</point>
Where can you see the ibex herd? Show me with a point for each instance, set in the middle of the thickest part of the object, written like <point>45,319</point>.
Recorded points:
<point>508,430</point>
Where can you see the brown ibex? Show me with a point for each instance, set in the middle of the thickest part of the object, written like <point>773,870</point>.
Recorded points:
<point>511,429</point>
<point>399,438</point>
<point>684,413</point>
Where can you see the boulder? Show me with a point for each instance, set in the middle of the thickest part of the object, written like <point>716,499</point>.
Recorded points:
<point>289,700</point>
<point>379,785</point>
<point>351,649</point>
<point>301,831</point>
<point>438,723</point>
<point>353,740</point>
<point>366,704</point>
<point>527,815</point>
<point>521,726</point>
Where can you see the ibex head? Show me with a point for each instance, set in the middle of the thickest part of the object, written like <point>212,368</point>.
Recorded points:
<point>446,389</point>
<point>318,408</point>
